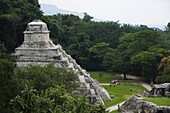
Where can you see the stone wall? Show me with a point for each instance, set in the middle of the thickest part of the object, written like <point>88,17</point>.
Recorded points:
<point>138,105</point>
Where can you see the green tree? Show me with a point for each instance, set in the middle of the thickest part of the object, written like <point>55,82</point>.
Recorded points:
<point>97,53</point>
<point>140,52</point>
<point>52,100</point>
<point>100,76</point>
<point>79,48</point>
<point>27,102</point>
<point>14,15</point>
<point>164,63</point>
<point>168,27</point>
<point>42,78</point>
<point>148,64</point>
<point>87,17</point>
<point>8,87</point>
<point>109,60</point>
<point>164,71</point>
<point>162,79</point>
<point>54,26</point>
<point>34,2</point>
<point>8,30</point>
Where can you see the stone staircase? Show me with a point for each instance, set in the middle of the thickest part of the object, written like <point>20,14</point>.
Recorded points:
<point>38,49</point>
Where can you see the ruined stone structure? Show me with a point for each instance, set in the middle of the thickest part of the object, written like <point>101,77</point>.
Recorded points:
<point>159,90</point>
<point>138,105</point>
<point>38,49</point>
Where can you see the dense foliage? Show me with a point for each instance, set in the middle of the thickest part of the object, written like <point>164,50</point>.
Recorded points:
<point>96,46</point>
<point>36,89</point>
<point>164,71</point>
<point>33,89</point>
<point>14,15</point>
<point>49,90</point>
<point>52,100</point>
<point>7,84</point>
<point>124,49</point>
<point>42,78</point>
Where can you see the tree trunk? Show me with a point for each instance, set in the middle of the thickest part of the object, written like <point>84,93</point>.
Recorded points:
<point>125,76</point>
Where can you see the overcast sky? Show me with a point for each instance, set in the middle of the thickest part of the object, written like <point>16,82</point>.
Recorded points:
<point>147,12</point>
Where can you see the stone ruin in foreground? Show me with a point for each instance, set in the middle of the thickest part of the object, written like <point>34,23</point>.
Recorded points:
<point>38,49</point>
<point>137,105</point>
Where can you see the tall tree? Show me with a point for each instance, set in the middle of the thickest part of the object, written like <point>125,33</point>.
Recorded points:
<point>87,17</point>
<point>13,19</point>
<point>34,2</point>
<point>52,100</point>
<point>164,71</point>
<point>42,78</point>
<point>97,53</point>
<point>140,53</point>
<point>7,84</point>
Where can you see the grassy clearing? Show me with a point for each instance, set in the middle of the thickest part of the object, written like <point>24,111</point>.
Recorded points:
<point>106,78</point>
<point>122,92</point>
<point>161,101</point>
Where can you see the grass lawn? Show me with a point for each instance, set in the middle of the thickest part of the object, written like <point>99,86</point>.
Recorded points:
<point>106,78</point>
<point>122,92</point>
<point>161,101</point>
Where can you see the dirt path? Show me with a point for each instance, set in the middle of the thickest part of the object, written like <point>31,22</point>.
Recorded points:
<point>140,80</point>
<point>115,107</point>
<point>147,86</point>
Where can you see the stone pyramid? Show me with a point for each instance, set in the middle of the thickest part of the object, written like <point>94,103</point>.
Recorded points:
<point>38,49</point>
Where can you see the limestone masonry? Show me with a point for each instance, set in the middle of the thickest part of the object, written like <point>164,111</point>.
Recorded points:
<point>38,49</point>
<point>137,105</point>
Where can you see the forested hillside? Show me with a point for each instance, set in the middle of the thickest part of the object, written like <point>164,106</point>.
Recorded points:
<point>111,46</point>
<point>14,15</point>
<point>96,46</point>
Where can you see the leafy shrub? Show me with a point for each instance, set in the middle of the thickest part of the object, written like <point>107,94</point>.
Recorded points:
<point>163,79</point>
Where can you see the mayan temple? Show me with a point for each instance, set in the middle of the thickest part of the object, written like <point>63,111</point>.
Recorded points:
<point>38,49</point>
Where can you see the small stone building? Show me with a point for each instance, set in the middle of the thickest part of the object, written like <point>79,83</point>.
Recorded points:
<point>161,90</point>
<point>38,49</point>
